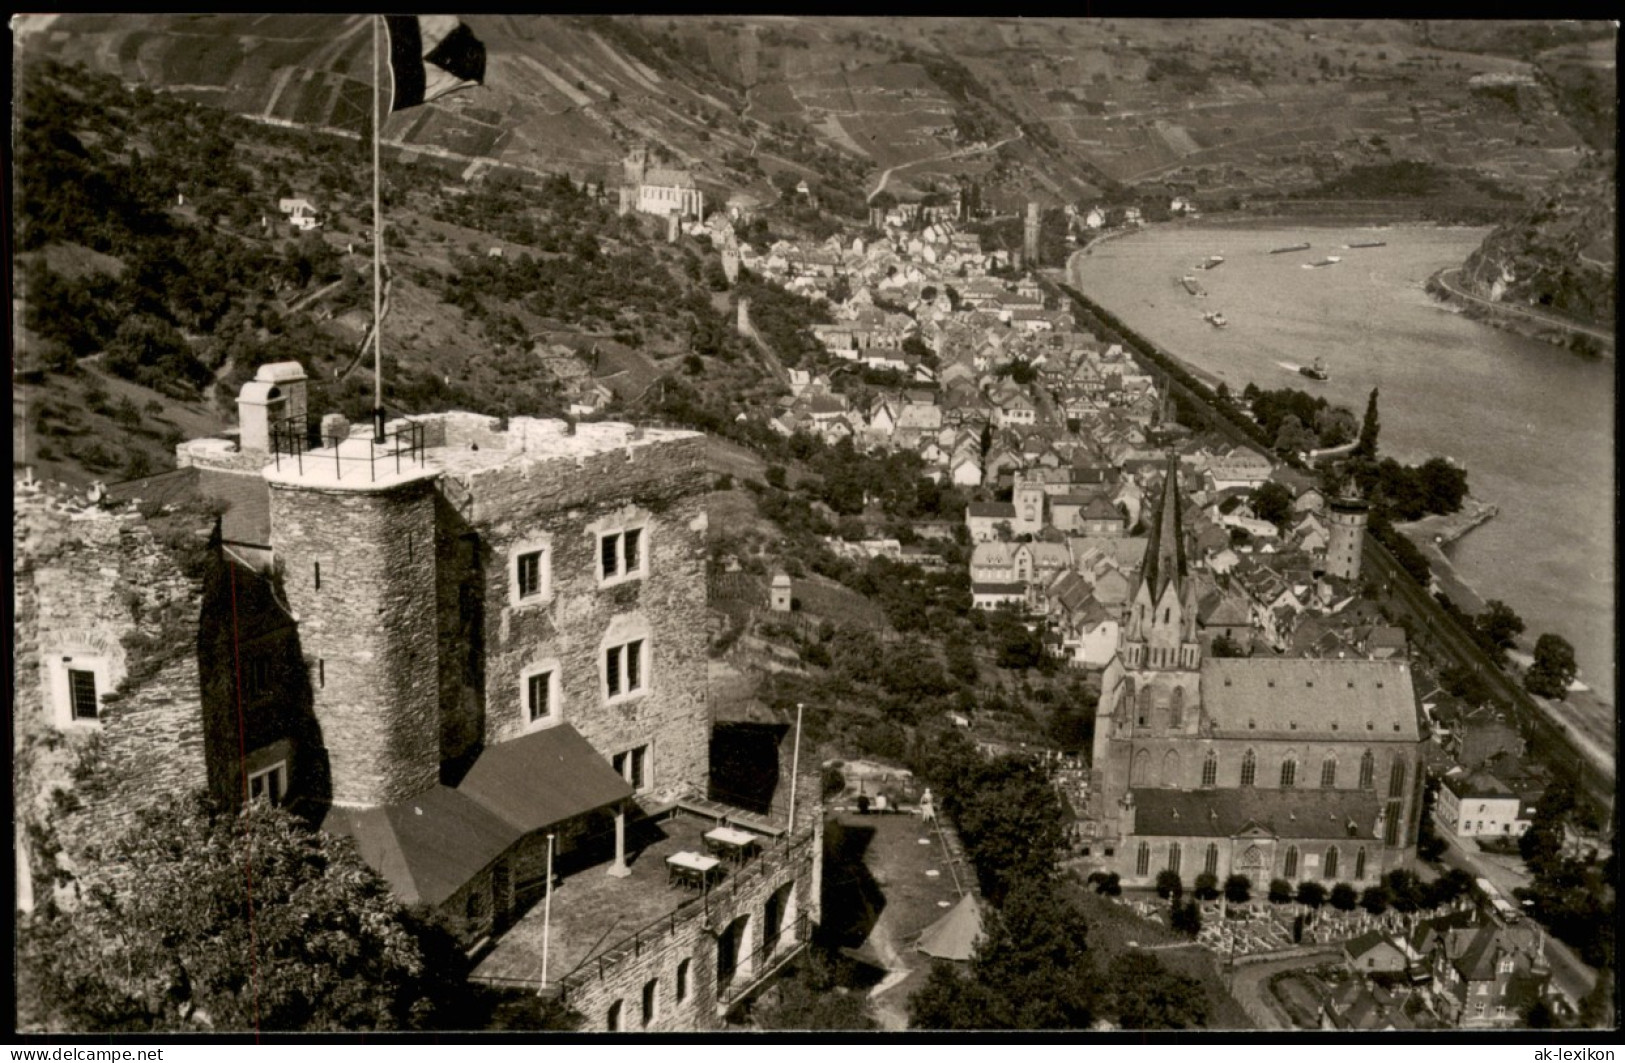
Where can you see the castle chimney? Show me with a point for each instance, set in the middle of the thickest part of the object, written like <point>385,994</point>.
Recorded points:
<point>275,396</point>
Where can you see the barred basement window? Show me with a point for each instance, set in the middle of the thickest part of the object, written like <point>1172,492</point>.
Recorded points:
<point>82,694</point>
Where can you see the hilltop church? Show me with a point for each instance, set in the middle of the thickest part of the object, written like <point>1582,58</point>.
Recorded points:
<point>1290,768</point>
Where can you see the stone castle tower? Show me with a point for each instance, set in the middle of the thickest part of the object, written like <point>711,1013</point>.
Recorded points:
<point>1029,236</point>
<point>1346,515</point>
<point>359,573</point>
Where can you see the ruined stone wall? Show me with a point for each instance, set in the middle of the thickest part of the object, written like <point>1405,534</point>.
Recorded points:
<point>97,585</point>
<point>693,937</point>
<point>368,631</point>
<point>563,503</point>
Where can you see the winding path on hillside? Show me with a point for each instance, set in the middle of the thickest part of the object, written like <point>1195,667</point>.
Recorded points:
<point>1447,275</point>
<point>885,175</point>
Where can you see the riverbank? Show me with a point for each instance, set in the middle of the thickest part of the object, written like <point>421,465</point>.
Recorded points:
<point>1588,340</point>
<point>1443,529</point>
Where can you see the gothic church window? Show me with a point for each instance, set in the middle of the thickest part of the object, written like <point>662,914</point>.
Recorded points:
<point>1328,772</point>
<point>1359,863</point>
<point>1368,771</point>
<point>1396,780</point>
<point>1290,870</point>
<point>1142,860</point>
<point>1210,769</point>
<point>1331,863</point>
<point>1138,776</point>
<point>1211,865</point>
<point>1249,768</point>
<point>1173,857</point>
<point>1289,772</point>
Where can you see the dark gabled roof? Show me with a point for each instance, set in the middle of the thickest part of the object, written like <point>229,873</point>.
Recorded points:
<point>247,519</point>
<point>1019,589</point>
<point>426,847</point>
<point>544,778</point>
<point>1357,947</point>
<point>430,845</point>
<point>1307,814</point>
<point>991,509</point>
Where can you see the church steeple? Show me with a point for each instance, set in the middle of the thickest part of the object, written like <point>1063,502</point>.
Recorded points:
<point>1165,552</point>
<point>1161,628</point>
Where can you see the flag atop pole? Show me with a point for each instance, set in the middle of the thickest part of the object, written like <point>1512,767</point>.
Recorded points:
<point>430,56</point>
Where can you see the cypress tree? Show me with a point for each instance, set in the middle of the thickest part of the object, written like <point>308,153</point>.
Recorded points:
<point>1367,446</point>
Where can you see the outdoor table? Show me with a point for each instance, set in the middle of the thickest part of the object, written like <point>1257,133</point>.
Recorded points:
<point>735,844</point>
<point>690,869</point>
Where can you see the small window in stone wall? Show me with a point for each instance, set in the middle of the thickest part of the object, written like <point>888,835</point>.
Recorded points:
<point>612,1021</point>
<point>269,784</point>
<point>634,766</point>
<point>682,981</point>
<point>623,669</point>
<point>259,675</point>
<point>651,1000</point>
<point>621,555</point>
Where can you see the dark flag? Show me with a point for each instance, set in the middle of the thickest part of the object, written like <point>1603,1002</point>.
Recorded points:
<point>429,56</point>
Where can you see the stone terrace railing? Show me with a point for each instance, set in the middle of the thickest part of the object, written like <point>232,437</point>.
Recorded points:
<point>774,856</point>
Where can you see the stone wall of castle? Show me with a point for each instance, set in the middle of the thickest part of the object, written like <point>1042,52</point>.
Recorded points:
<point>693,938</point>
<point>562,506</point>
<point>97,586</point>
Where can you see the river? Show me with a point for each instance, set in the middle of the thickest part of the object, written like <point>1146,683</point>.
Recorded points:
<point>1532,423</point>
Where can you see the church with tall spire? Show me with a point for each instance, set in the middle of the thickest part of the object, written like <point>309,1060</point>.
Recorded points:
<point>1291,768</point>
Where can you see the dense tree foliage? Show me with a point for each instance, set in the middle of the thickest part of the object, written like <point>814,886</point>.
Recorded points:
<point>182,943</point>
<point>1554,667</point>
<point>1030,971</point>
<point>812,997</point>
<point>1144,994</point>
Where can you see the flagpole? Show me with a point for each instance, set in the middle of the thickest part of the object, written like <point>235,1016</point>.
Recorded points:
<point>377,253</point>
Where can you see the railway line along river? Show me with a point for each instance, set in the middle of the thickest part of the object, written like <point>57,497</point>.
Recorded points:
<point>1532,423</point>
